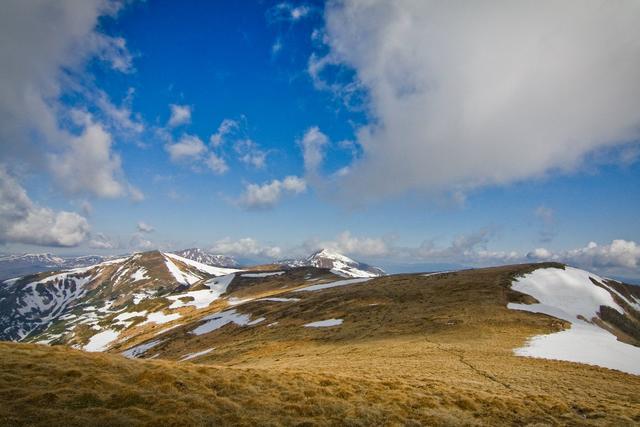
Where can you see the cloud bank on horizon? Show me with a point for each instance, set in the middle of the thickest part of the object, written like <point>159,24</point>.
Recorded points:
<point>376,108</point>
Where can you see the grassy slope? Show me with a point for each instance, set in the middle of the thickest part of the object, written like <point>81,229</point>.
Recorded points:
<point>433,350</point>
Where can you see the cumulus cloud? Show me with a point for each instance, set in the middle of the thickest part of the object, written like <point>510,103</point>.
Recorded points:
<point>102,241</point>
<point>468,94</point>
<point>245,247</point>
<point>121,117</point>
<point>87,163</point>
<point>227,127</point>
<point>180,115</point>
<point>618,254</point>
<point>267,195</point>
<point>143,227</point>
<point>188,147</point>
<point>191,150</point>
<point>55,42</point>
<point>348,244</point>
<point>139,241</point>
<point>23,221</point>
<point>313,144</point>
<point>288,12</point>
<point>216,163</point>
<point>540,254</point>
<point>250,153</point>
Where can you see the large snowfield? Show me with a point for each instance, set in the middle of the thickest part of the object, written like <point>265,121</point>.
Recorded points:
<point>570,295</point>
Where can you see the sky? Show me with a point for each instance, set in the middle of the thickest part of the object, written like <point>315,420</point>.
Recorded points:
<point>409,134</point>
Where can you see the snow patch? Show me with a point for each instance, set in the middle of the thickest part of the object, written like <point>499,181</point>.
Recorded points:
<point>273,273</point>
<point>218,320</point>
<point>101,341</point>
<point>324,323</point>
<point>197,354</point>
<point>139,274</point>
<point>333,284</point>
<point>203,298</point>
<point>140,349</point>
<point>160,318</point>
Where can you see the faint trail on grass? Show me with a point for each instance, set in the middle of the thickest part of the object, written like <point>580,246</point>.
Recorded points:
<point>459,354</point>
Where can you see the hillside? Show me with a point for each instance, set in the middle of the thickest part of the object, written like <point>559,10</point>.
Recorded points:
<point>306,346</point>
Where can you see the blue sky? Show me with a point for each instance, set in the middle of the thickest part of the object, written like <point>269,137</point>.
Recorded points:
<point>407,135</point>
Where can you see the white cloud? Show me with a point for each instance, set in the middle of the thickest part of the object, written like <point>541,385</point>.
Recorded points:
<point>114,51</point>
<point>180,115</point>
<point>348,244</point>
<point>139,241</point>
<point>540,254</point>
<point>121,117</point>
<point>188,147</point>
<point>102,241</point>
<point>294,184</point>
<point>250,153</point>
<point>45,49</point>
<point>216,163</point>
<point>23,221</point>
<point>227,126</point>
<point>245,247</point>
<point>267,195</point>
<point>619,254</point>
<point>468,94</point>
<point>88,164</point>
<point>143,227</point>
<point>288,12</point>
<point>313,145</point>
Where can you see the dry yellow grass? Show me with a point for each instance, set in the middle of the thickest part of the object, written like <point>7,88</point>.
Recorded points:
<point>432,351</point>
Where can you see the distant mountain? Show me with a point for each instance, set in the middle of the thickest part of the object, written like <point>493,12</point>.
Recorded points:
<point>337,263</point>
<point>204,257</point>
<point>23,264</point>
<point>73,305</point>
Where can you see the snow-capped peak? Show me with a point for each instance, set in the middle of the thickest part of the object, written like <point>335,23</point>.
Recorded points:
<point>329,254</point>
<point>339,264</point>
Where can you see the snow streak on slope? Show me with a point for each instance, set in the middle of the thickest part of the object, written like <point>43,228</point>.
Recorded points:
<point>333,284</point>
<point>324,323</point>
<point>570,295</point>
<point>215,271</point>
<point>181,277</point>
<point>218,320</point>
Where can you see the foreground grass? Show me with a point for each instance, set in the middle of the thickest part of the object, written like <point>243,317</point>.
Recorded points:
<point>58,386</point>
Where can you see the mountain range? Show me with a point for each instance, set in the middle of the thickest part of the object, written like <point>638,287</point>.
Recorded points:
<point>458,347</point>
<point>14,265</point>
